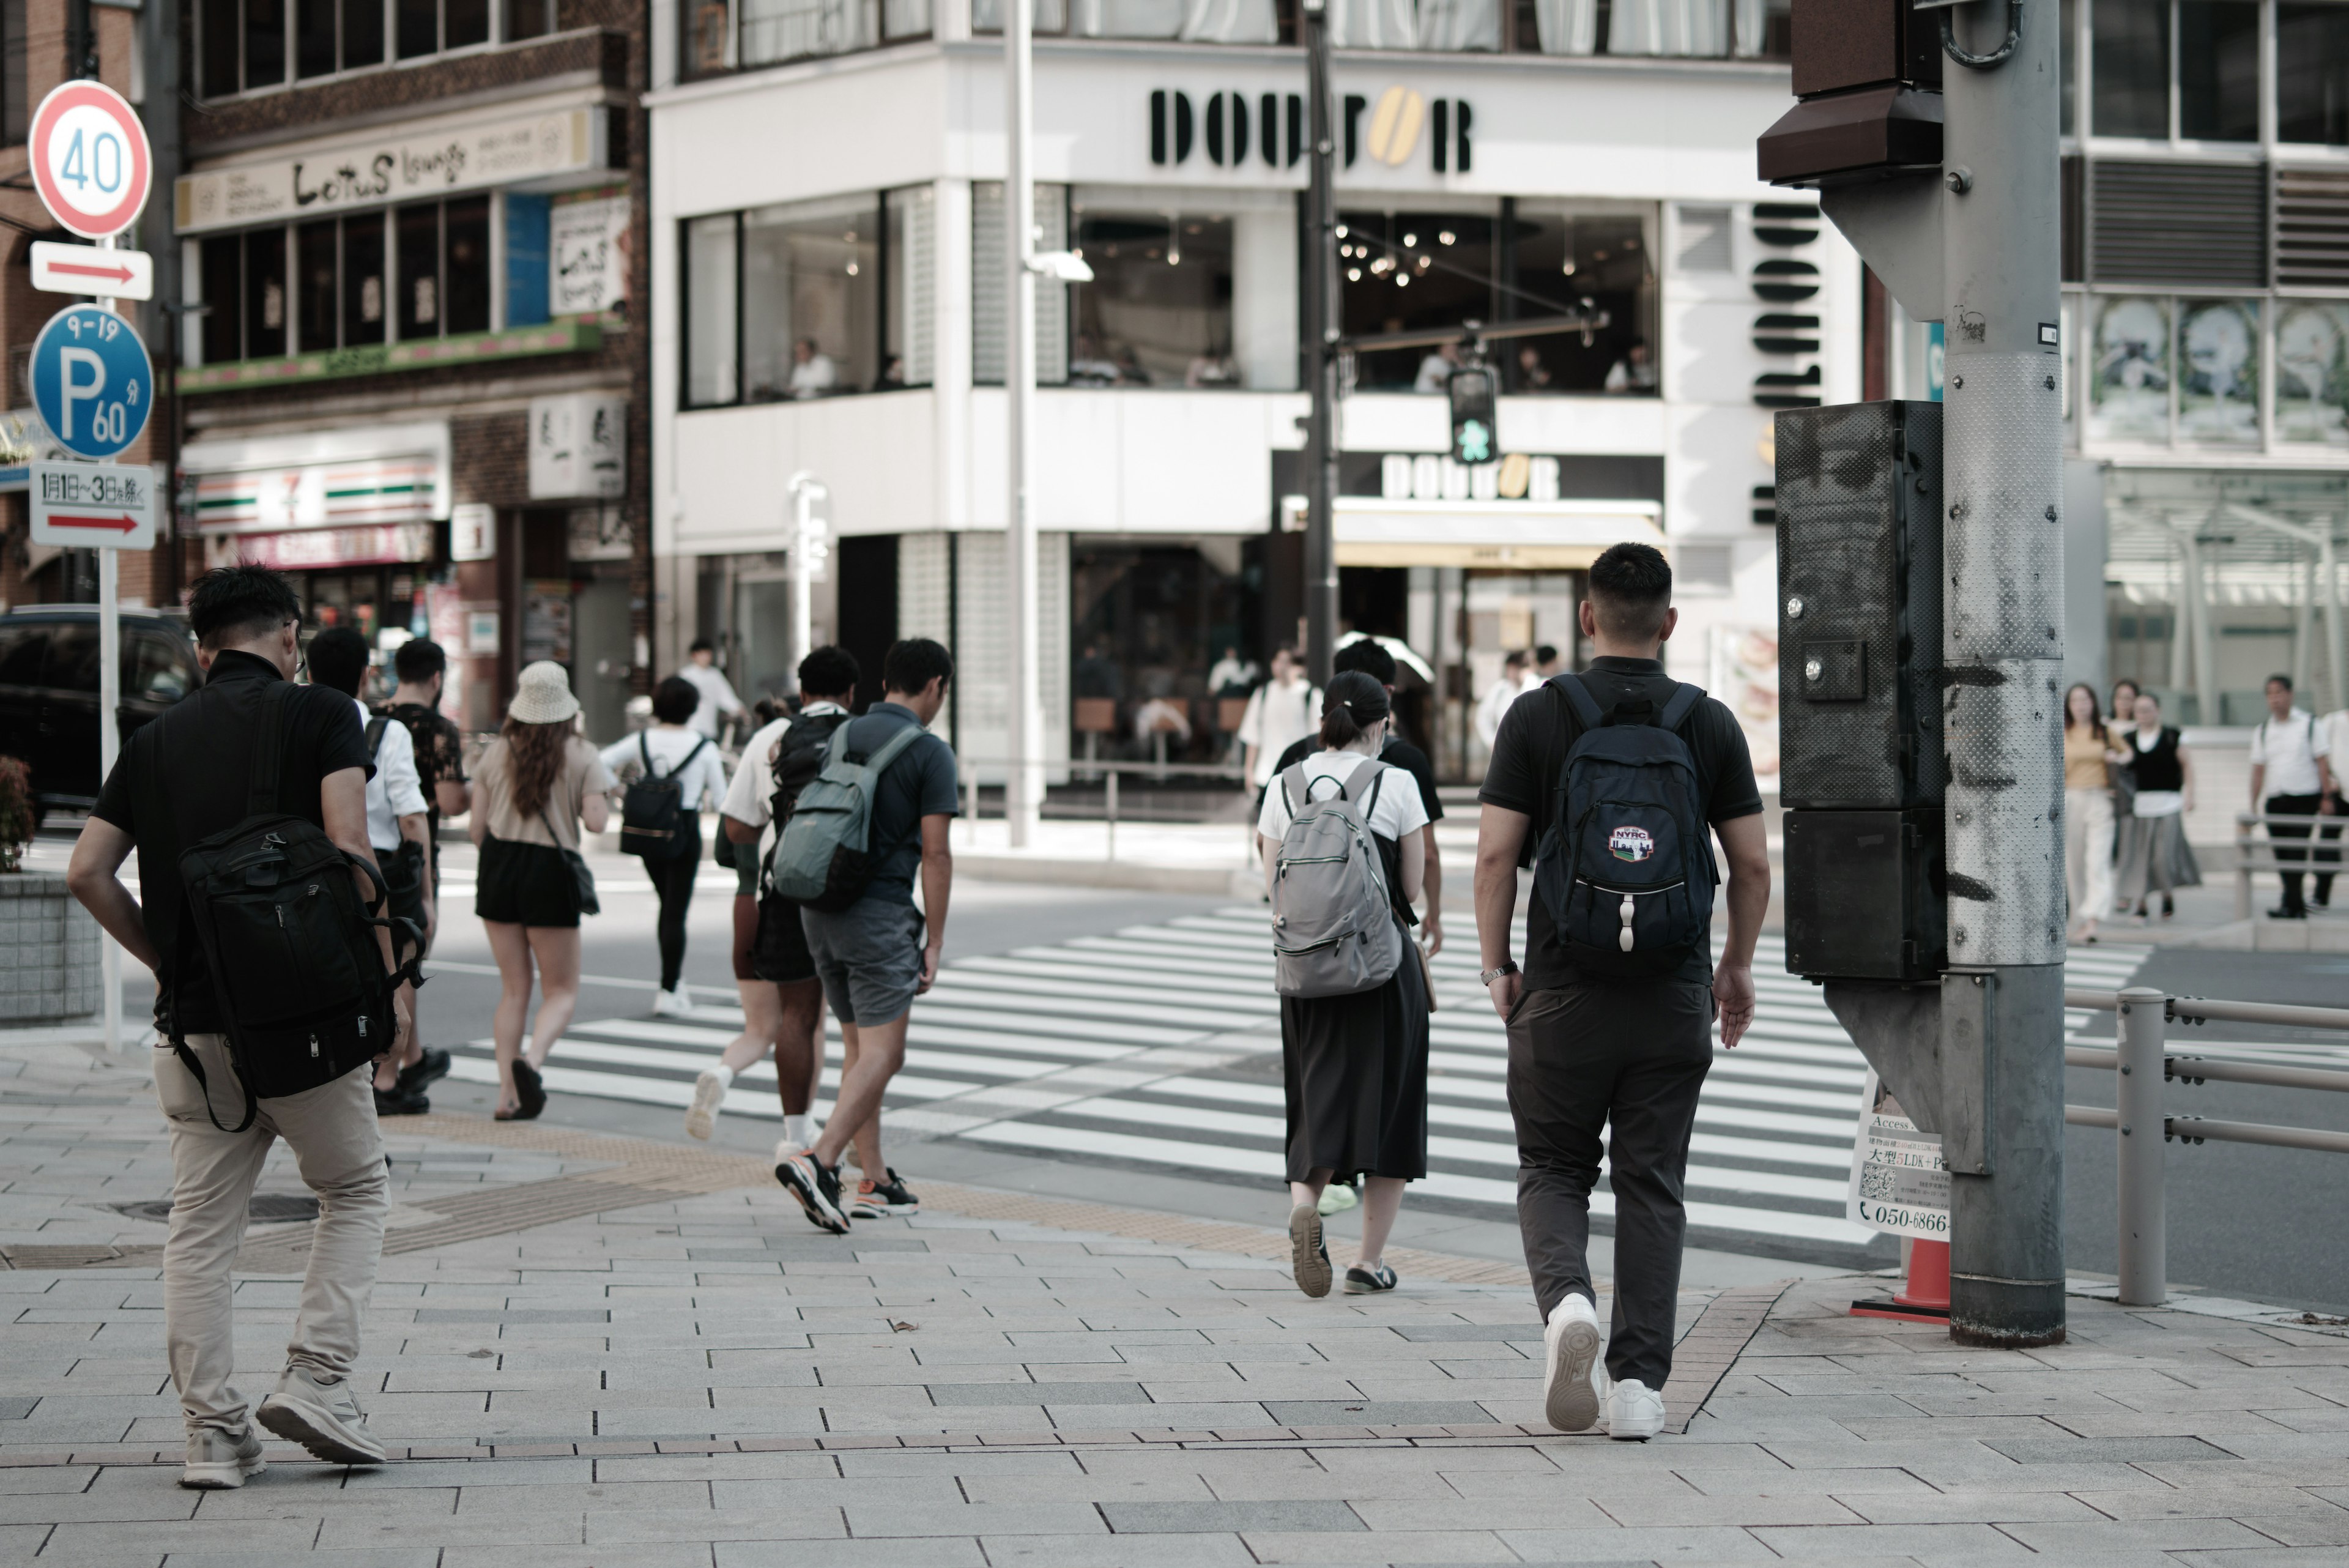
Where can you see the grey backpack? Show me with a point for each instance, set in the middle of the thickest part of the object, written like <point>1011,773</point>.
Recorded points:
<point>1333,927</point>
<point>824,858</point>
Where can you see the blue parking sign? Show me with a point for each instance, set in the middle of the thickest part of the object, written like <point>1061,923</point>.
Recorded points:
<point>92,382</point>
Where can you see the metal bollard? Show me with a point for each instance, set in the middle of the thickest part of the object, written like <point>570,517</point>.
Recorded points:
<point>2144,1234</point>
<point>1113,813</point>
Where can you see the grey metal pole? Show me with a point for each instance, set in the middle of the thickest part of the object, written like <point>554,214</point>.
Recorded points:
<point>2144,1229</point>
<point>1321,358</point>
<point>1026,728</point>
<point>2002,651</point>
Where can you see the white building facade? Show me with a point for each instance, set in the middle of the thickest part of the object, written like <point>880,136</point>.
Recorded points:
<point>828,233</point>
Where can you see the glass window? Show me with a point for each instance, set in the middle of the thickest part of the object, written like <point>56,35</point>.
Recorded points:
<point>420,270</point>
<point>709,37</point>
<point>465,274</point>
<point>314,37</point>
<point>419,27</point>
<point>221,326</point>
<point>2312,372</point>
<point>528,19</point>
<point>1409,272</point>
<point>1571,261</point>
<point>811,299</point>
<point>314,293</point>
<point>2313,73</point>
<point>911,304</point>
<point>2218,71</point>
<point>2128,383</point>
<point>1159,310</point>
<point>2219,399</point>
<point>264,294</point>
<point>2131,68</point>
<point>465,22</point>
<point>774,30</point>
<point>222,32</point>
<point>362,33</point>
<point>160,671</point>
<point>710,245</point>
<point>265,42</point>
<point>363,310</point>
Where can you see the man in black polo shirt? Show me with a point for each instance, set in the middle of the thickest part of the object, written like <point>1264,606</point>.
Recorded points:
<point>1585,1052</point>
<point>180,780</point>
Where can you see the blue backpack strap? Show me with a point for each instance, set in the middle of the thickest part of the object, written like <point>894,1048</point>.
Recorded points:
<point>1682,704</point>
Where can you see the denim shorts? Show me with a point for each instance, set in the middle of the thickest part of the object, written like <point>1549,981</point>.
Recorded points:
<point>869,957</point>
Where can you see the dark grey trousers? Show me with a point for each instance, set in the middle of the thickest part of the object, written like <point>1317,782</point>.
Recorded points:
<point>1629,1058</point>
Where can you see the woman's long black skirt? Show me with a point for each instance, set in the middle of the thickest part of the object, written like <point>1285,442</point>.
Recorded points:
<point>1355,1072</point>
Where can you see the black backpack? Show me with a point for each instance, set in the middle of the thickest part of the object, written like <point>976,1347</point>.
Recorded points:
<point>302,993</point>
<point>799,757</point>
<point>652,813</point>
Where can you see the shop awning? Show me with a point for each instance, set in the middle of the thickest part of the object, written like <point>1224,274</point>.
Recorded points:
<point>356,481</point>
<point>1519,535</point>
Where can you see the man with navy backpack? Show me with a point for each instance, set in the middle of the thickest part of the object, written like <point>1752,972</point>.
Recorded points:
<point>1608,781</point>
<point>876,952</point>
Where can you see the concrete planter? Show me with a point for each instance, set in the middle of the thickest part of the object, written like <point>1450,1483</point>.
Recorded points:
<point>48,951</point>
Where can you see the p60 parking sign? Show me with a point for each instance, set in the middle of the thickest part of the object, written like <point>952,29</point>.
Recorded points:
<point>91,381</point>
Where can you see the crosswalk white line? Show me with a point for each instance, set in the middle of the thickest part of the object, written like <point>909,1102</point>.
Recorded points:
<point>1149,1045</point>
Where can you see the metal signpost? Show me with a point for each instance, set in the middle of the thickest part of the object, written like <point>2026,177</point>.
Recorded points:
<point>91,378</point>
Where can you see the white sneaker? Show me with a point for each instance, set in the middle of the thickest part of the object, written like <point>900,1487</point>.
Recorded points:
<point>218,1461</point>
<point>701,1116</point>
<point>324,1418</point>
<point>667,1006</point>
<point>684,995</point>
<point>1570,1393</point>
<point>1635,1412</point>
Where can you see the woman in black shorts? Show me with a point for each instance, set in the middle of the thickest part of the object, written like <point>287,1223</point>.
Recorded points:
<point>534,786</point>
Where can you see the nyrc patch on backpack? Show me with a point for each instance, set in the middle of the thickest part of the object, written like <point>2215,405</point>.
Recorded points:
<point>303,992</point>
<point>1333,923</point>
<point>1625,868</point>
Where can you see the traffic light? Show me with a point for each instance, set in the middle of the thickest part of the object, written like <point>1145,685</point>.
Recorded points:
<point>1472,434</point>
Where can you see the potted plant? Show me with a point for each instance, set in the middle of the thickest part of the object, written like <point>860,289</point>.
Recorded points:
<point>51,968</point>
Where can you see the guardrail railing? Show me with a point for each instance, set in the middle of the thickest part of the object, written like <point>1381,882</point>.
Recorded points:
<point>2318,854</point>
<point>1087,768</point>
<point>2144,1063</point>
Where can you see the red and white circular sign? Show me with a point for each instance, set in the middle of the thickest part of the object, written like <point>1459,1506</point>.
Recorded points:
<point>89,157</point>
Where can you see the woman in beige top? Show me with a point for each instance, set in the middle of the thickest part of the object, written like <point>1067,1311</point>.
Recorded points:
<point>2089,754</point>
<point>534,787</point>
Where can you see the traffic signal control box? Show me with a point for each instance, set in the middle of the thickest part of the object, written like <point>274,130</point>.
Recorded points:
<point>1859,688</point>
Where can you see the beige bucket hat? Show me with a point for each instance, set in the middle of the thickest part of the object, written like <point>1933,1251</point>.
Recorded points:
<point>542,695</point>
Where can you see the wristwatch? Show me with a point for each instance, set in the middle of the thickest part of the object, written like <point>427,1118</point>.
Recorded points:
<point>1507,966</point>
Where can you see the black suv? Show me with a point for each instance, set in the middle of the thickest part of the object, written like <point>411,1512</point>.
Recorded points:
<point>48,691</point>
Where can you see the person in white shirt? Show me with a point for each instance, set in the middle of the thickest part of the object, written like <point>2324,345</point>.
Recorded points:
<point>1499,696</point>
<point>398,826</point>
<point>671,750</point>
<point>718,701</point>
<point>2290,777</point>
<point>782,1000</point>
<point>1231,674</point>
<point>1635,373</point>
<point>1435,370</point>
<point>1280,712</point>
<point>813,374</point>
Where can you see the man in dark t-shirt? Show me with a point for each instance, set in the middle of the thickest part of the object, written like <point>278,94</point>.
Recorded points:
<point>178,781</point>
<point>1376,662</point>
<point>1587,1052</point>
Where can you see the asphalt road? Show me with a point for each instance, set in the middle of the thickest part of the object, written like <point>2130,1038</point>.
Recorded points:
<point>2256,1222</point>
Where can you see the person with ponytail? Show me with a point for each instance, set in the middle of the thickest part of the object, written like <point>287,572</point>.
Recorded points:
<point>534,787</point>
<point>1354,1067</point>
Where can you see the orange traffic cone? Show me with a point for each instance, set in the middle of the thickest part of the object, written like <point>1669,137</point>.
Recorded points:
<point>1924,1296</point>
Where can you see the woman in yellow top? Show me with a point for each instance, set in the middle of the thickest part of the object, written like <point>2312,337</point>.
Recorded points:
<point>2089,756</point>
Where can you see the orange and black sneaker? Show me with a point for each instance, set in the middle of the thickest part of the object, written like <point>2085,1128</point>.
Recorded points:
<point>883,1200</point>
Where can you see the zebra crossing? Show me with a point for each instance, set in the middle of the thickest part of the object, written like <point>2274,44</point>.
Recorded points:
<point>1158,1046</point>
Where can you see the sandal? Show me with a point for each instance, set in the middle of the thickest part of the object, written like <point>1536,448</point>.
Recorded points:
<point>530,1090</point>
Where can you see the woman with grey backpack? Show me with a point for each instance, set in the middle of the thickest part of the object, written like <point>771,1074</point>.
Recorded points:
<point>1343,860</point>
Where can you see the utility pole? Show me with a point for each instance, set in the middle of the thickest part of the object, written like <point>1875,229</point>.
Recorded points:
<point>1026,727</point>
<point>1321,359</point>
<point>2002,657</point>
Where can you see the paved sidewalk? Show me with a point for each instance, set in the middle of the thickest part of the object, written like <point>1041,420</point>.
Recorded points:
<point>686,1373</point>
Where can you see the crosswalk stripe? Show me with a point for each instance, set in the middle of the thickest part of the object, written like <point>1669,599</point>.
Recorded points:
<point>1147,1045</point>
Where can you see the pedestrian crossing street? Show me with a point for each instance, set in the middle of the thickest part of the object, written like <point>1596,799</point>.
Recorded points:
<point>1158,1046</point>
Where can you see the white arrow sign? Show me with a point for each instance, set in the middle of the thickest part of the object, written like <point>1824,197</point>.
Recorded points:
<point>86,269</point>
<point>93,505</point>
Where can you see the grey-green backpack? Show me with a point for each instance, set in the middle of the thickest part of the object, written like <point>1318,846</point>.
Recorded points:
<point>824,858</point>
<point>1333,927</point>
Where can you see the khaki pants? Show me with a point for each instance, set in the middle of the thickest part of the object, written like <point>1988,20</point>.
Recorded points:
<point>332,1131</point>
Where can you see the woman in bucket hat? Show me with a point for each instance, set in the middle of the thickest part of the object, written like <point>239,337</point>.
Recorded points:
<point>537,782</point>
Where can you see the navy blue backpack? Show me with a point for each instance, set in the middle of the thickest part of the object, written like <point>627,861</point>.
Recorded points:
<point>1625,867</point>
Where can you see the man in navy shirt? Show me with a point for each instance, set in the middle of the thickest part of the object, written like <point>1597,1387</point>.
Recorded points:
<point>879,954</point>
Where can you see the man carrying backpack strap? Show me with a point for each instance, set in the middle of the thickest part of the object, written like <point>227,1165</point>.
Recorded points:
<point>879,952</point>
<point>180,781</point>
<point>1615,1032</point>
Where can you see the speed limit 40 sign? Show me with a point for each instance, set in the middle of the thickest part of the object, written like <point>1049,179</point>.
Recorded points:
<point>90,160</point>
<point>91,381</point>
